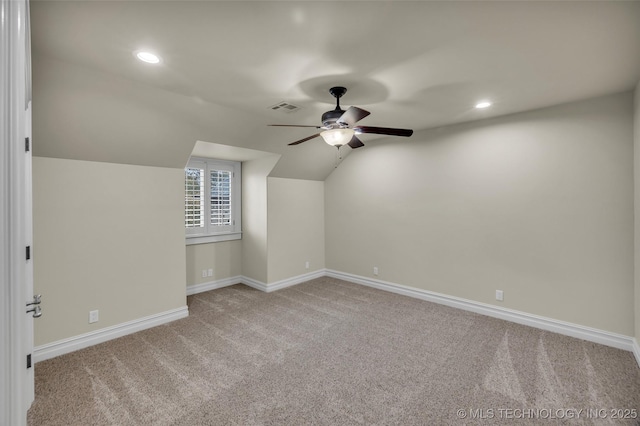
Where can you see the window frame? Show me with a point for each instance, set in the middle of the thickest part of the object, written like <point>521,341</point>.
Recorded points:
<point>212,233</point>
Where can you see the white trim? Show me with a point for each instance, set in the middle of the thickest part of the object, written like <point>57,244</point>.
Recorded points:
<point>288,282</point>
<point>636,351</point>
<point>206,239</point>
<point>568,329</point>
<point>258,285</point>
<point>561,327</point>
<point>213,285</point>
<point>16,381</point>
<point>65,346</point>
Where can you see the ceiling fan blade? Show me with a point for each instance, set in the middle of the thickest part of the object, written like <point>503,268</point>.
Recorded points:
<point>291,125</point>
<point>383,131</point>
<point>305,139</point>
<point>353,115</point>
<point>355,142</point>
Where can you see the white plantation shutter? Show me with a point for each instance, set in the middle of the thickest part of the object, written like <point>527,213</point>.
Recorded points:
<point>220,197</point>
<point>194,198</point>
<point>212,200</point>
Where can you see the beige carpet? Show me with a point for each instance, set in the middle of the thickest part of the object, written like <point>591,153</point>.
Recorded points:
<point>329,352</point>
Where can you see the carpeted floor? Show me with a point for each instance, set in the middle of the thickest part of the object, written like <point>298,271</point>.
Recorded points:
<point>328,352</point>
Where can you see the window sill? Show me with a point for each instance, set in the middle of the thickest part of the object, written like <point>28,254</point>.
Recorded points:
<point>204,239</point>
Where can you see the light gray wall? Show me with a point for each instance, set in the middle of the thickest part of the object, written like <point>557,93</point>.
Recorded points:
<point>254,216</point>
<point>295,227</point>
<point>225,258</point>
<point>283,228</point>
<point>537,204</point>
<point>108,237</point>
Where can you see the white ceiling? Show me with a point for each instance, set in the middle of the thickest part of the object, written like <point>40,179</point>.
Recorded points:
<point>417,65</point>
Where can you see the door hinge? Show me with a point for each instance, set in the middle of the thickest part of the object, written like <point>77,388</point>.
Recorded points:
<point>26,144</point>
<point>29,361</point>
<point>28,252</point>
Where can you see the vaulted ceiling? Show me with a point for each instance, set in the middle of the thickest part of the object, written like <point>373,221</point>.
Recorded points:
<point>416,65</point>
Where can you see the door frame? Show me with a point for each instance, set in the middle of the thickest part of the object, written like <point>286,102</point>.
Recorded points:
<point>16,393</point>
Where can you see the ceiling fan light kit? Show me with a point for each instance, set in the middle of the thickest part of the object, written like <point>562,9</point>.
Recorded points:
<point>338,137</point>
<point>338,125</point>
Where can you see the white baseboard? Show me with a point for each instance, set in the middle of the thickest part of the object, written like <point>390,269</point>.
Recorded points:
<point>212,285</point>
<point>268,288</point>
<point>568,329</point>
<point>61,347</point>
<point>619,341</point>
<point>636,350</point>
<point>258,285</point>
<point>64,346</point>
<point>561,327</point>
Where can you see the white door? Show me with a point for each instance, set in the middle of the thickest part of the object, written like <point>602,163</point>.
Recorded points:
<point>16,251</point>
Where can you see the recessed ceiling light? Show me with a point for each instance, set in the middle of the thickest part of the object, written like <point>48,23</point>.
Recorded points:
<point>483,104</point>
<point>147,57</point>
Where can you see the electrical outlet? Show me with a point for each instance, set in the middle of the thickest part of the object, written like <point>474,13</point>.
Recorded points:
<point>306,265</point>
<point>204,273</point>
<point>499,295</point>
<point>93,316</point>
<point>210,272</point>
<point>375,270</point>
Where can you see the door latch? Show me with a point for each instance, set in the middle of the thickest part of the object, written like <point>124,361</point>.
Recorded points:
<point>35,306</point>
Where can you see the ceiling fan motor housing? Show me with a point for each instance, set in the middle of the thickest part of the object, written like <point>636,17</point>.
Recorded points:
<point>329,119</point>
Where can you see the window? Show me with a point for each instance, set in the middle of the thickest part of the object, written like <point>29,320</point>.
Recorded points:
<point>212,210</point>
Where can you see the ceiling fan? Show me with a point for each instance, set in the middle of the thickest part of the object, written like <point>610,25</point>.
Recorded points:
<point>339,126</point>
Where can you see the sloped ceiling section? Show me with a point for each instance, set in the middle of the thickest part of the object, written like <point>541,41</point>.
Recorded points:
<point>86,114</point>
<point>417,65</point>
